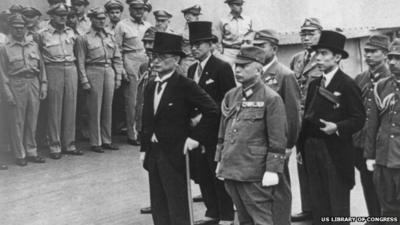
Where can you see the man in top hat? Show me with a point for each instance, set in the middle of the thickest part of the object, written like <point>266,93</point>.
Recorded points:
<point>216,78</point>
<point>57,43</point>
<point>375,52</point>
<point>23,84</point>
<point>282,80</point>
<point>129,33</point>
<point>80,6</point>
<point>382,151</point>
<point>99,69</point>
<point>114,10</point>
<point>191,13</point>
<point>32,19</point>
<point>231,30</point>
<point>305,68</point>
<point>168,104</point>
<point>333,112</point>
<point>252,141</point>
<point>163,19</point>
<point>146,74</point>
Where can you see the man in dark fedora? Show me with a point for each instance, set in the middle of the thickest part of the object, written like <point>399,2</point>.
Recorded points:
<point>169,101</point>
<point>333,113</point>
<point>375,52</point>
<point>216,78</point>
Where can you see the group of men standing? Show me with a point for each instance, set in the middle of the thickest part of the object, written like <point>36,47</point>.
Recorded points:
<point>181,97</point>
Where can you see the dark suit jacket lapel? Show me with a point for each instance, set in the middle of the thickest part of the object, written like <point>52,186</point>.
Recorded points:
<point>206,71</point>
<point>332,86</point>
<point>168,93</point>
<point>192,70</point>
<point>152,87</point>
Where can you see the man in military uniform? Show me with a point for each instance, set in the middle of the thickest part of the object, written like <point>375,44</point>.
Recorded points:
<point>216,78</point>
<point>282,80</point>
<point>305,68</point>
<point>168,104</point>
<point>57,43</point>
<point>80,6</point>
<point>129,33</point>
<point>23,83</point>
<point>375,51</point>
<point>114,10</point>
<point>382,150</point>
<point>99,69</point>
<point>163,19</point>
<point>333,113</point>
<point>252,141</point>
<point>231,30</point>
<point>32,18</point>
<point>45,23</point>
<point>146,74</point>
<point>191,14</point>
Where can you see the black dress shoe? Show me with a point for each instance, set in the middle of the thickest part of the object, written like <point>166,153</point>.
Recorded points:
<point>302,216</point>
<point>97,149</point>
<point>206,222</point>
<point>55,155</point>
<point>21,162</point>
<point>74,152</point>
<point>3,167</point>
<point>36,159</point>
<point>146,210</point>
<point>198,198</point>
<point>110,147</point>
<point>133,142</point>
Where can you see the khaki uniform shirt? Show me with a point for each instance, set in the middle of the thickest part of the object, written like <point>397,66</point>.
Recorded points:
<point>232,30</point>
<point>57,46</point>
<point>252,133</point>
<point>21,59</point>
<point>84,24</point>
<point>98,48</point>
<point>129,35</point>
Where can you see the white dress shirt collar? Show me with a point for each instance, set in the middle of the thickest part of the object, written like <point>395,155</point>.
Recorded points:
<point>329,76</point>
<point>266,67</point>
<point>164,78</point>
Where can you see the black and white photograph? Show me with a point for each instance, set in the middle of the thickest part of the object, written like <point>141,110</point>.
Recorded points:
<point>199,112</point>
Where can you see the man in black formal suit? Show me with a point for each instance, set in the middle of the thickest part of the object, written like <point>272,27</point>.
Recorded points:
<point>167,135</point>
<point>334,111</point>
<point>216,78</point>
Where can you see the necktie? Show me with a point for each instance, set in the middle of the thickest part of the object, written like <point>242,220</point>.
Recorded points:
<point>160,84</point>
<point>323,81</point>
<point>199,72</point>
<point>307,58</point>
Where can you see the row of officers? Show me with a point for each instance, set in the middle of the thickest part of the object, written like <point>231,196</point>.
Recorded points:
<point>181,95</point>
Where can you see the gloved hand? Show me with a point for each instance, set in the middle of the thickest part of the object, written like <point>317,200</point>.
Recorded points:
<point>190,144</point>
<point>270,179</point>
<point>370,164</point>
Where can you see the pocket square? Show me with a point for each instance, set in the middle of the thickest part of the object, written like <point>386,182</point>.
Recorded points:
<point>337,93</point>
<point>170,104</point>
<point>209,81</point>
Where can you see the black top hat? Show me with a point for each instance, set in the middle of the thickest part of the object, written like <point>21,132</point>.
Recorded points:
<point>167,43</point>
<point>332,40</point>
<point>201,31</point>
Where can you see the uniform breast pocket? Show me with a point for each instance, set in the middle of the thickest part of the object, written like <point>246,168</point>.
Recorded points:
<point>53,48</point>
<point>95,50</point>
<point>131,39</point>
<point>253,114</point>
<point>16,62</point>
<point>34,59</point>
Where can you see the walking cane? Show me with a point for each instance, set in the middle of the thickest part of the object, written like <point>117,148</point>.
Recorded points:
<point>189,189</point>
